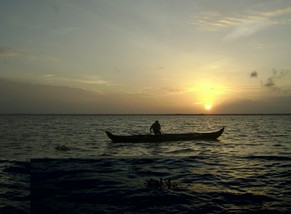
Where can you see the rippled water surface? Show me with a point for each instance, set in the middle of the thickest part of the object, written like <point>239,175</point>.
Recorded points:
<point>66,164</point>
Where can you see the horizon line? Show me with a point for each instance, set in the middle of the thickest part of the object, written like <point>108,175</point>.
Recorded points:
<point>146,114</point>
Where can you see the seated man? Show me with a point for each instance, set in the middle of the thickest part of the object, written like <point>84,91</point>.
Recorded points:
<point>156,127</point>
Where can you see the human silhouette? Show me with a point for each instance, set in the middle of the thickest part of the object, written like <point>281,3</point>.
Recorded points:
<point>156,127</point>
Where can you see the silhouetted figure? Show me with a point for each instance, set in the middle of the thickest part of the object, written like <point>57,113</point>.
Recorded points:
<point>156,127</point>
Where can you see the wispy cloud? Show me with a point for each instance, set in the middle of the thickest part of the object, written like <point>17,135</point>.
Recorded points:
<point>84,82</point>
<point>10,52</point>
<point>214,21</point>
<point>170,90</point>
<point>95,80</point>
<point>244,24</point>
<point>272,81</point>
<point>276,12</point>
<point>49,75</point>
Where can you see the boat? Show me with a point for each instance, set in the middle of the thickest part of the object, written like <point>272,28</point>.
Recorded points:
<point>165,137</point>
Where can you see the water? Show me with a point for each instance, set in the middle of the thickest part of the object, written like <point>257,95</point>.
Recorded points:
<point>66,164</point>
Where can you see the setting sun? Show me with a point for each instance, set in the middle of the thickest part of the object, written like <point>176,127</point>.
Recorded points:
<point>208,107</point>
<point>208,94</point>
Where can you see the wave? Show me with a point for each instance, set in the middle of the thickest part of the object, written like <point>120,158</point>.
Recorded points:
<point>181,151</point>
<point>244,198</point>
<point>269,157</point>
<point>128,184</point>
<point>14,186</point>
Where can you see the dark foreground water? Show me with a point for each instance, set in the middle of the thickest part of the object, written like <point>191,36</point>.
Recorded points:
<point>66,164</point>
<point>161,185</point>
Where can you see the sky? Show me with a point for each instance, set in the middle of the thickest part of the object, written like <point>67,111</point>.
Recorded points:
<point>145,56</point>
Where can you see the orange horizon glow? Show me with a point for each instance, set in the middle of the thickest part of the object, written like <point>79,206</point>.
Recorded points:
<point>208,94</point>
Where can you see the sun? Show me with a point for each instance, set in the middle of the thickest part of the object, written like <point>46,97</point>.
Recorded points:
<point>208,107</point>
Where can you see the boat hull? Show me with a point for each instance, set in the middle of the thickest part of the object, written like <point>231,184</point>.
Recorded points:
<point>165,137</point>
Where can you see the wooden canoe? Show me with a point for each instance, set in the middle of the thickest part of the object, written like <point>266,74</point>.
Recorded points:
<point>165,137</point>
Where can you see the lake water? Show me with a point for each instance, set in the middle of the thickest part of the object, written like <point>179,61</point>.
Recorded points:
<point>66,164</point>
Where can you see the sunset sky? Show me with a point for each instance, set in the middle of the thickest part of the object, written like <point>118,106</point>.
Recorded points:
<point>145,56</point>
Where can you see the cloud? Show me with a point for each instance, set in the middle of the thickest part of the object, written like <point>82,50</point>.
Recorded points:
<point>23,97</point>
<point>247,27</point>
<point>269,82</point>
<point>214,21</point>
<point>272,81</point>
<point>49,75</point>
<point>10,52</point>
<point>241,25</point>
<point>254,74</point>
<point>172,90</point>
<point>276,12</point>
<point>279,74</point>
<point>96,80</point>
<point>87,80</point>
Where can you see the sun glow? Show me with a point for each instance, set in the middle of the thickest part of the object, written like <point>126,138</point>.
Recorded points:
<point>208,107</point>
<point>208,94</point>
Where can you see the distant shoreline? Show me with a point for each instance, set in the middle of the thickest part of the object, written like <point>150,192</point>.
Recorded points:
<point>69,114</point>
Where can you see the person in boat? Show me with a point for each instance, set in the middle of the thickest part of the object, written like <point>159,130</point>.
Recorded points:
<point>156,128</point>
